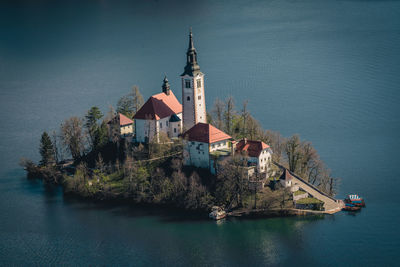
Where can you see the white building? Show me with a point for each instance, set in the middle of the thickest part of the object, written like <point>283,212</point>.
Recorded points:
<point>162,113</point>
<point>258,154</point>
<point>200,142</point>
<point>193,98</point>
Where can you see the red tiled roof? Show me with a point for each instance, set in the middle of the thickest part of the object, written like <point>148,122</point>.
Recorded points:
<point>159,106</point>
<point>124,120</point>
<point>252,148</point>
<point>170,100</point>
<point>205,133</point>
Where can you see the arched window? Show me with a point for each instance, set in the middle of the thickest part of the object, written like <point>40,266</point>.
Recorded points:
<point>188,98</point>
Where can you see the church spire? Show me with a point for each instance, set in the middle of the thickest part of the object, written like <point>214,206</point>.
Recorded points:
<point>191,45</point>
<point>165,86</point>
<point>191,57</point>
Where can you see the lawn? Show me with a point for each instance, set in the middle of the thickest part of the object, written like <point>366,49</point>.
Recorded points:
<point>309,200</point>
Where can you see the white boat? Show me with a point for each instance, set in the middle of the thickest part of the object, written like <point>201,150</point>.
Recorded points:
<point>217,213</point>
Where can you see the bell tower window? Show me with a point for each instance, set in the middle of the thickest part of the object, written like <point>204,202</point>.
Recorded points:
<point>188,98</point>
<point>199,83</point>
<point>187,84</point>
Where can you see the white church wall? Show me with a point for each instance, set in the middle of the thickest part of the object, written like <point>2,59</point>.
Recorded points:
<point>196,154</point>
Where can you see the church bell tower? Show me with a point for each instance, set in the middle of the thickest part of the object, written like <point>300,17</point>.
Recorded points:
<point>193,98</point>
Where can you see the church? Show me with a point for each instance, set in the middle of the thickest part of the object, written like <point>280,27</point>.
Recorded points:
<point>203,143</point>
<point>163,114</point>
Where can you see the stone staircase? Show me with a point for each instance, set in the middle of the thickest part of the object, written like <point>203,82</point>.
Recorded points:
<point>331,205</point>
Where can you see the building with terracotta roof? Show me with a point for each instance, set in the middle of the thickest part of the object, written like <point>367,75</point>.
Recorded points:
<point>201,142</point>
<point>122,125</point>
<point>258,154</point>
<point>162,113</point>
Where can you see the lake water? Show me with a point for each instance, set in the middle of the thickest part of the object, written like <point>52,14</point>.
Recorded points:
<point>327,70</point>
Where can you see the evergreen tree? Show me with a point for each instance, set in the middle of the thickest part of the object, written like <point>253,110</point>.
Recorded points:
<point>46,150</point>
<point>131,103</point>
<point>92,116</point>
<point>100,136</point>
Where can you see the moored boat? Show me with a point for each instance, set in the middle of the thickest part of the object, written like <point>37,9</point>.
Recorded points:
<point>355,200</point>
<point>351,207</point>
<point>217,213</point>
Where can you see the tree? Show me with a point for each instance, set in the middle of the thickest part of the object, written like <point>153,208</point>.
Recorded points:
<point>100,136</point>
<point>92,116</point>
<point>277,143</point>
<point>100,164</point>
<point>131,103</point>
<point>228,115</point>
<point>292,149</point>
<point>232,181</point>
<point>46,150</point>
<point>218,112</point>
<point>137,99</point>
<point>58,155</point>
<point>197,196</point>
<point>73,136</point>
<point>245,114</point>
<point>124,106</point>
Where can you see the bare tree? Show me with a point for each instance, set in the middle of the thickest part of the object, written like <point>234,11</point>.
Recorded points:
<point>292,149</point>
<point>57,149</point>
<point>245,114</point>
<point>73,136</point>
<point>232,182</point>
<point>218,112</point>
<point>229,113</point>
<point>137,99</point>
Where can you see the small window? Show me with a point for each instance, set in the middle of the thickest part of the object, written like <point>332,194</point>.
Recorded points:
<point>188,98</point>
<point>187,84</point>
<point>199,97</point>
<point>160,124</point>
<point>198,83</point>
<point>167,123</point>
<point>174,130</point>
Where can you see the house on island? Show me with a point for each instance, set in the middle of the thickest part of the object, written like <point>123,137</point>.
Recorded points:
<point>201,142</point>
<point>162,113</point>
<point>258,153</point>
<point>121,124</point>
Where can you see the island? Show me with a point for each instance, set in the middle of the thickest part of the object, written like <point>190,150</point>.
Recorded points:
<point>166,152</point>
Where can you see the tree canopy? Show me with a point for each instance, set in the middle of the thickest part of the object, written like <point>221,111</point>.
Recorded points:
<point>46,150</point>
<point>130,103</point>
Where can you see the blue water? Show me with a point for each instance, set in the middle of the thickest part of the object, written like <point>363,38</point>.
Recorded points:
<point>327,70</point>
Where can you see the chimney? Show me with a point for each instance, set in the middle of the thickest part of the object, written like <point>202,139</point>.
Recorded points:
<point>233,147</point>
